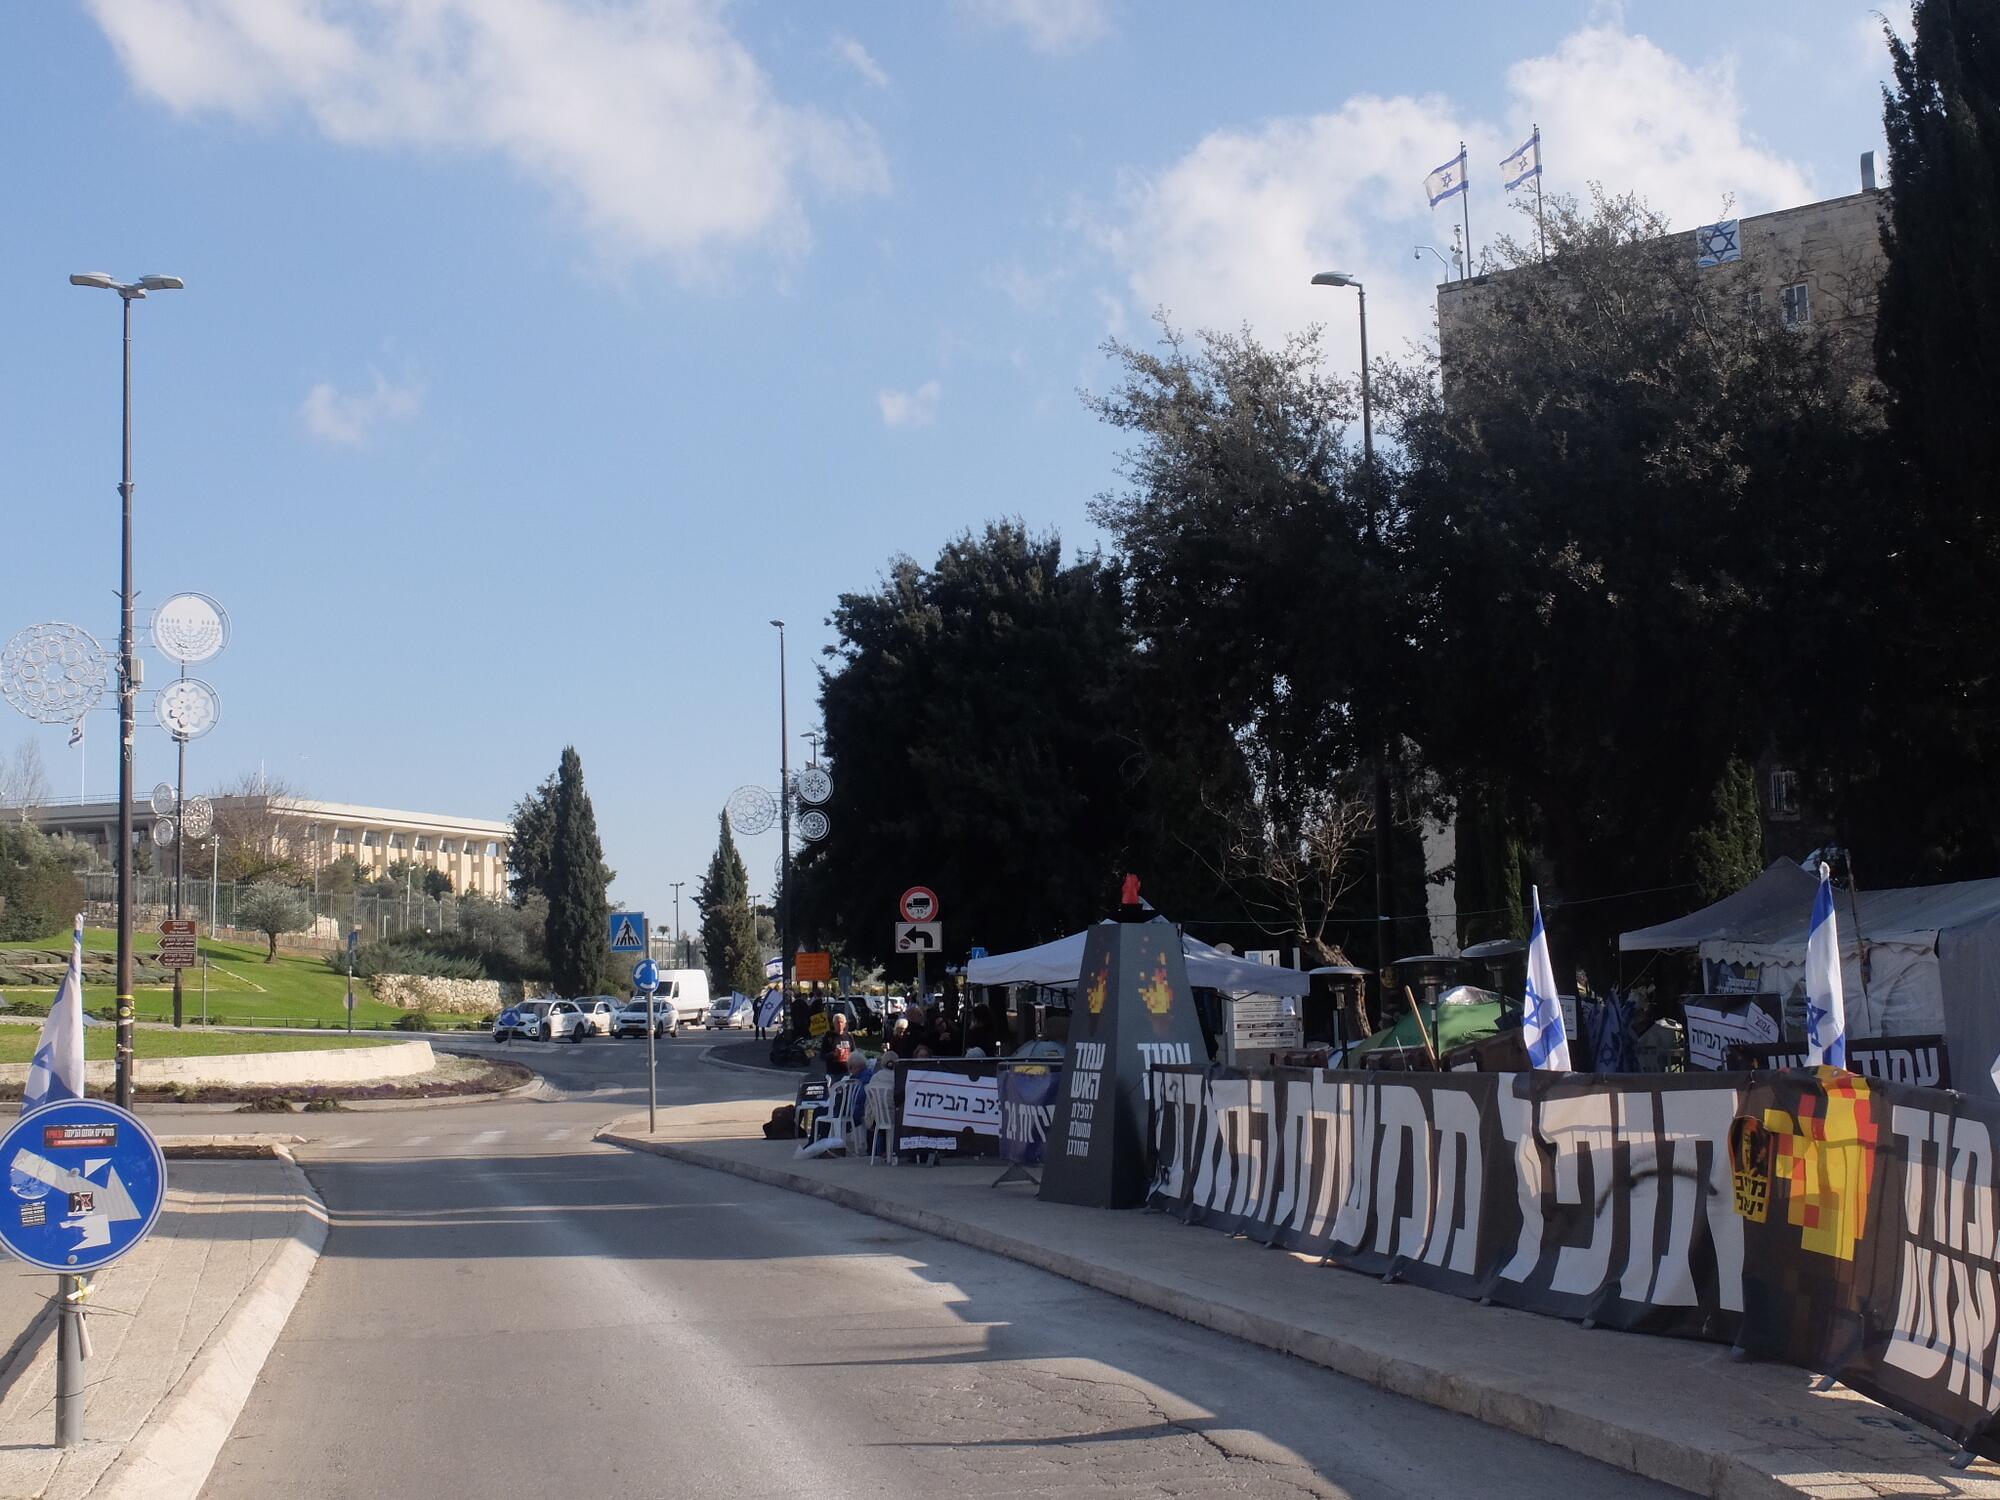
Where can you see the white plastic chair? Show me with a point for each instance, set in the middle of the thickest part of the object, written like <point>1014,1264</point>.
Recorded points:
<point>879,1115</point>
<point>832,1122</point>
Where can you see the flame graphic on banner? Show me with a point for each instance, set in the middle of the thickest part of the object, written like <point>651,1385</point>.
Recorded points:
<point>1099,987</point>
<point>1827,1162</point>
<point>1159,995</point>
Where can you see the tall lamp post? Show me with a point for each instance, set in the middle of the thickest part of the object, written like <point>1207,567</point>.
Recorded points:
<point>1383,918</point>
<point>680,961</point>
<point>128,672</point>
<point>784,828</point>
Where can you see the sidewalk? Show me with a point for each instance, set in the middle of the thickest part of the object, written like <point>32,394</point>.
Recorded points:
<point>180,1329</point>
<point>1673,1410</point>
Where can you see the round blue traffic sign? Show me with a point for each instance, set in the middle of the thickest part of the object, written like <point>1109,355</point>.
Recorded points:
<point>646,976</point>
<point>85,1182</point>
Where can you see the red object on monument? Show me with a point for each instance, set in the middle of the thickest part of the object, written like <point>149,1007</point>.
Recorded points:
<point>1131,897</point>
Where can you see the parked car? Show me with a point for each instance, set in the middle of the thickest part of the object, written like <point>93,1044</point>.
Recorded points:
<point>732,1013</point>
<point>526,1020</point>
<point>600,1012</point>
<point>688,989</point>
<point>631,1017</point>
<point>566,1021</point>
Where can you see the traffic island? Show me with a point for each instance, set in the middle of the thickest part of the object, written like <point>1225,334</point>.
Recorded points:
<point>1675,1411</point>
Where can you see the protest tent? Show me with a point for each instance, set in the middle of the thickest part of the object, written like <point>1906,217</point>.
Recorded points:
<point>1058,965</point>
<point>1464,1014</point>
<point>1933,957</point>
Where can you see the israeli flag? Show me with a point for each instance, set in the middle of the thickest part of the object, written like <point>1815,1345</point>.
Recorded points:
<point>1448,180</point>
<point>1541,1014</point>
<point>56,1070</point>
<point>1826,1010</point>
<point>1523,164</point>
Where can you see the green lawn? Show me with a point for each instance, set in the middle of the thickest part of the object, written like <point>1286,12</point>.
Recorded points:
<point>242,988</point>
<point>17,1043</point>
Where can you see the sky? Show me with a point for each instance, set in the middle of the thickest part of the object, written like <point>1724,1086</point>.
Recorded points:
<point>535,353</point>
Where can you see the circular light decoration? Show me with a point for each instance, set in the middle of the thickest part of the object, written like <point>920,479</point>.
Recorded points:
<point>189,628</point>
<point>163,800</point>
<point>54,673</point>
<point>197,817</point>
<point>812,825</point>
<point>751,809</point>
<point>814,786</point>
<point>187,708</point>
<point>163,832</point>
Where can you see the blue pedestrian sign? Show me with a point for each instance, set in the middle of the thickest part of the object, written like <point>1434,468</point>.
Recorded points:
<point>978,953</point>
<point>85,1182</point>
<point>628,932</point>
<point>645,976</point>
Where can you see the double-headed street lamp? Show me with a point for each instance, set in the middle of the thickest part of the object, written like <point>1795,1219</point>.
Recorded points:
<point>128,675</point>
<point>1382,897</point>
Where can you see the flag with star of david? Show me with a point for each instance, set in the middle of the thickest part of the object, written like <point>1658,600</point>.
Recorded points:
<point>56,1070</point>
<point>1542,1029</point>
<point>1447,181</point>
<point>1524,164</point>
<point>1826,1008</point>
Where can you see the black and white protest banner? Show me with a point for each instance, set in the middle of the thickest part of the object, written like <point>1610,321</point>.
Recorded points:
<point>948,1105</point>
<point>1920,1061</point>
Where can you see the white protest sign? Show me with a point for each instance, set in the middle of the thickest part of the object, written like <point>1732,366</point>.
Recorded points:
<point>1711,1032</point>
<point>951,1102</point>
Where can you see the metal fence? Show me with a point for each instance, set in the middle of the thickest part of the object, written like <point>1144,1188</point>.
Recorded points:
<point>334,914</point>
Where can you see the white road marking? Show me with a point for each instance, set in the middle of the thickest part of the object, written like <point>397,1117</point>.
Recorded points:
<point>418,1140</point>
<point>558,1135</point>
<point>486,1138</point>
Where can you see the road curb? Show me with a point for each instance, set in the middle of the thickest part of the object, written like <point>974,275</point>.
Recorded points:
<point>707,1056</point>
<point>178,1443</point>
<point>1719,1476</point>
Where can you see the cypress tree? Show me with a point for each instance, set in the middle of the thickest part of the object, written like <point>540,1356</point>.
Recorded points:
<point>579,907</point>
<point>728,927</point>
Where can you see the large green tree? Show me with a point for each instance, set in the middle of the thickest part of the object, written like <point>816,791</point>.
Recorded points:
<point>986,739</point>
<point>1934,806</point>
<point>577,885</point>
<point>1641,540</point>
<point>728,926</point>
<point>531,849</point>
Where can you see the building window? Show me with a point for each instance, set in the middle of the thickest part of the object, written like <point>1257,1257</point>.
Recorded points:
<point>1784,796</point>
<point>371,839</point>
<point>1795,306</point>
<point>343,835</point>
<point>447,846</point>
<point>423,844</point>
<point>492,851</point>
<point>395,841</point>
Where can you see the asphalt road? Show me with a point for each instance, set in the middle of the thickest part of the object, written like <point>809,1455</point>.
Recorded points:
<point>506,1309</point>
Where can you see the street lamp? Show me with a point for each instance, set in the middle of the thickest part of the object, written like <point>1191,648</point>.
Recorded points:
<point>784,826</point>
<point>680,962</point>
<point>1382,896</point>
<point>128,672</point>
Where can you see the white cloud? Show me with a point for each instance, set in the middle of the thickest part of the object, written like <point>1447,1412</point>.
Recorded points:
<point>1871,50</point>
<point>1232,232</point>
<point>916,408</point>
<point>857,57</point>
<point>651,123</point>
<point>1051,26</point>
<point>350,419</point>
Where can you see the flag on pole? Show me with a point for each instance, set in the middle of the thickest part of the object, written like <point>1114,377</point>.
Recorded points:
<point>56,1071</point>
<point>1447,181</point>
<point>1826,1010</point>
<point>1542,1015</point>
<point>1524,164</point>
<point>76,734</point>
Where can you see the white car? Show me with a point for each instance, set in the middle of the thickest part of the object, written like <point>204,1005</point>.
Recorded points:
<point>631,1017</point>
<point>573,1020</point>
<point>732,1013</point>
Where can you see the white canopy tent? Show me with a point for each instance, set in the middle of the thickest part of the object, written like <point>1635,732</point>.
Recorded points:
<point>1059,965</point>
<point>1933,957</point>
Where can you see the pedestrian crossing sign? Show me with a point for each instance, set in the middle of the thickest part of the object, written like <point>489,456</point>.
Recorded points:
<point>628,932</point>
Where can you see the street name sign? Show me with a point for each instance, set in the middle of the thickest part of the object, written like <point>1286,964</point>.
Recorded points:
<point>177,943</point>
<point>85,1182</point>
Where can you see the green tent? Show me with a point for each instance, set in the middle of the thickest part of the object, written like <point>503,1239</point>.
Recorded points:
<point>1465,1014</point>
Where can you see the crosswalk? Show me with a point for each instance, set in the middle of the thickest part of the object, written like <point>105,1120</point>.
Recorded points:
<point>458,1143</point>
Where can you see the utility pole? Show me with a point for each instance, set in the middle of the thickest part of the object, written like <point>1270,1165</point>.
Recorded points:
<point>677,924</point>
<point>784,827</point>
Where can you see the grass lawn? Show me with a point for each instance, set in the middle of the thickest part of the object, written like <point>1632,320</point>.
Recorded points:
<point>242,988</point>
<point>17,1043</point>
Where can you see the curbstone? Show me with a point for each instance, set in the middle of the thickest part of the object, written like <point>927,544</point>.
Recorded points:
<point>176,1447</point>
<point>1719,1475</point>
<point>708,1056</point>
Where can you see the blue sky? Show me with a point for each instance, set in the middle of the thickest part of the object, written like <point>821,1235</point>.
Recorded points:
<point>535,353</point>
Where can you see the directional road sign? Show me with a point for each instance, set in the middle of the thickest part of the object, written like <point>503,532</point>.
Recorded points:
<point>919,904</point>
<point>84,1184</point>
<point>645,976</point>
<point>177,942</point>
<point>628,932</point>
<point>976,953</point>
<point>919,937</point>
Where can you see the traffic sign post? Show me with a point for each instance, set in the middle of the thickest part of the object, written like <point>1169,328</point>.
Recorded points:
<point>353,942</point>
<point>919,937</point>
<point>85,1183</point>
<point>177,943</point>
<point>646,979</point>
<point>628,932</point>
<point>919,904</point>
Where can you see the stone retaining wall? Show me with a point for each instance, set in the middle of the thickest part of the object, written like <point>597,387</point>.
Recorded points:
<point>342,1065</point>
<point>451,997</point>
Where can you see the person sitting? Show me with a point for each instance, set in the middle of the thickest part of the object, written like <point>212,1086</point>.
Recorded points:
<point>837,1046</point>
<point>879,1096</point>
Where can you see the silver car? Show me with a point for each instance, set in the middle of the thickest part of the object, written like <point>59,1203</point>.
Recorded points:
<point>631,1017</point>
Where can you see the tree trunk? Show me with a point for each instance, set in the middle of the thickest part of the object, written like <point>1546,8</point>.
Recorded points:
<point>272,956</point>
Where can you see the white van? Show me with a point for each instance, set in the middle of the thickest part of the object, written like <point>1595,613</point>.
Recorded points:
<point>688,989</point>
